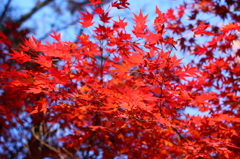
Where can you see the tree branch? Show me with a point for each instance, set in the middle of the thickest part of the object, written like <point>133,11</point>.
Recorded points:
<point>48,146</point>
<point>31,12</point>
<point>5,10</point>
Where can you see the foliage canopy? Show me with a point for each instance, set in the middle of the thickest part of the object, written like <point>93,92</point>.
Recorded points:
<point>123,93</point>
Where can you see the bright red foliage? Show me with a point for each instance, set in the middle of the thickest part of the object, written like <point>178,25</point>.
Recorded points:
<point>126,97</point>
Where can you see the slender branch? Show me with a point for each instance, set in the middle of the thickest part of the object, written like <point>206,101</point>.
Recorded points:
<point>48,146</point>
<point>67,152</point>
<point>38,6</point>
<point>5,10</point>
<point>31,12</point>
<point>29,152</point>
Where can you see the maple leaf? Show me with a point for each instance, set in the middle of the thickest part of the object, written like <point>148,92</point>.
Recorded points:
<point>140,19</point>
<point>20,56</point>
<point>135,58</point>
<point>230,26</point>
<point>201,29</point>
<point>153,38</point>
<point>34,90</point>
<point>55,36</point>
<point>120,23</point>
<point>161,17</point>
<point>105,18</point>
<point>86,19</point>
<point>200,50</point>
<point>45,61</point>
<point>226,117</point>
<point>98,10</point>
<point>42,107</point>
<point>162,120</point>
<point>121,69</point>
<point>95,2</point>
<point>140,26</point>
<point>170,14</point>
<point>4,39</point>
<point>175,60</point>
<point>120,4</point>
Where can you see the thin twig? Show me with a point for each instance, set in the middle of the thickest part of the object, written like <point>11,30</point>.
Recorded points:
<point>45,144</point>
<point>5,10</point>
<point>31,12</point>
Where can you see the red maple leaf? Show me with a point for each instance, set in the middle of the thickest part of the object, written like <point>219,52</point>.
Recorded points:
<point>56,36</point>
<point>95,2</point>
<point>140,19</point>
<point>86,19</point>
<point>120,23</point>
<point>153,38</point>
<point>20,56</point>
<point>105,18</point>
<point>140,24</point>
<point>230,26</point>
<point>98,10</point>
<point>121,4</point>
<point>201,29</point>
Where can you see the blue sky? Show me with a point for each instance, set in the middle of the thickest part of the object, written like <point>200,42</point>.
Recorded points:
<point>42,20</point>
